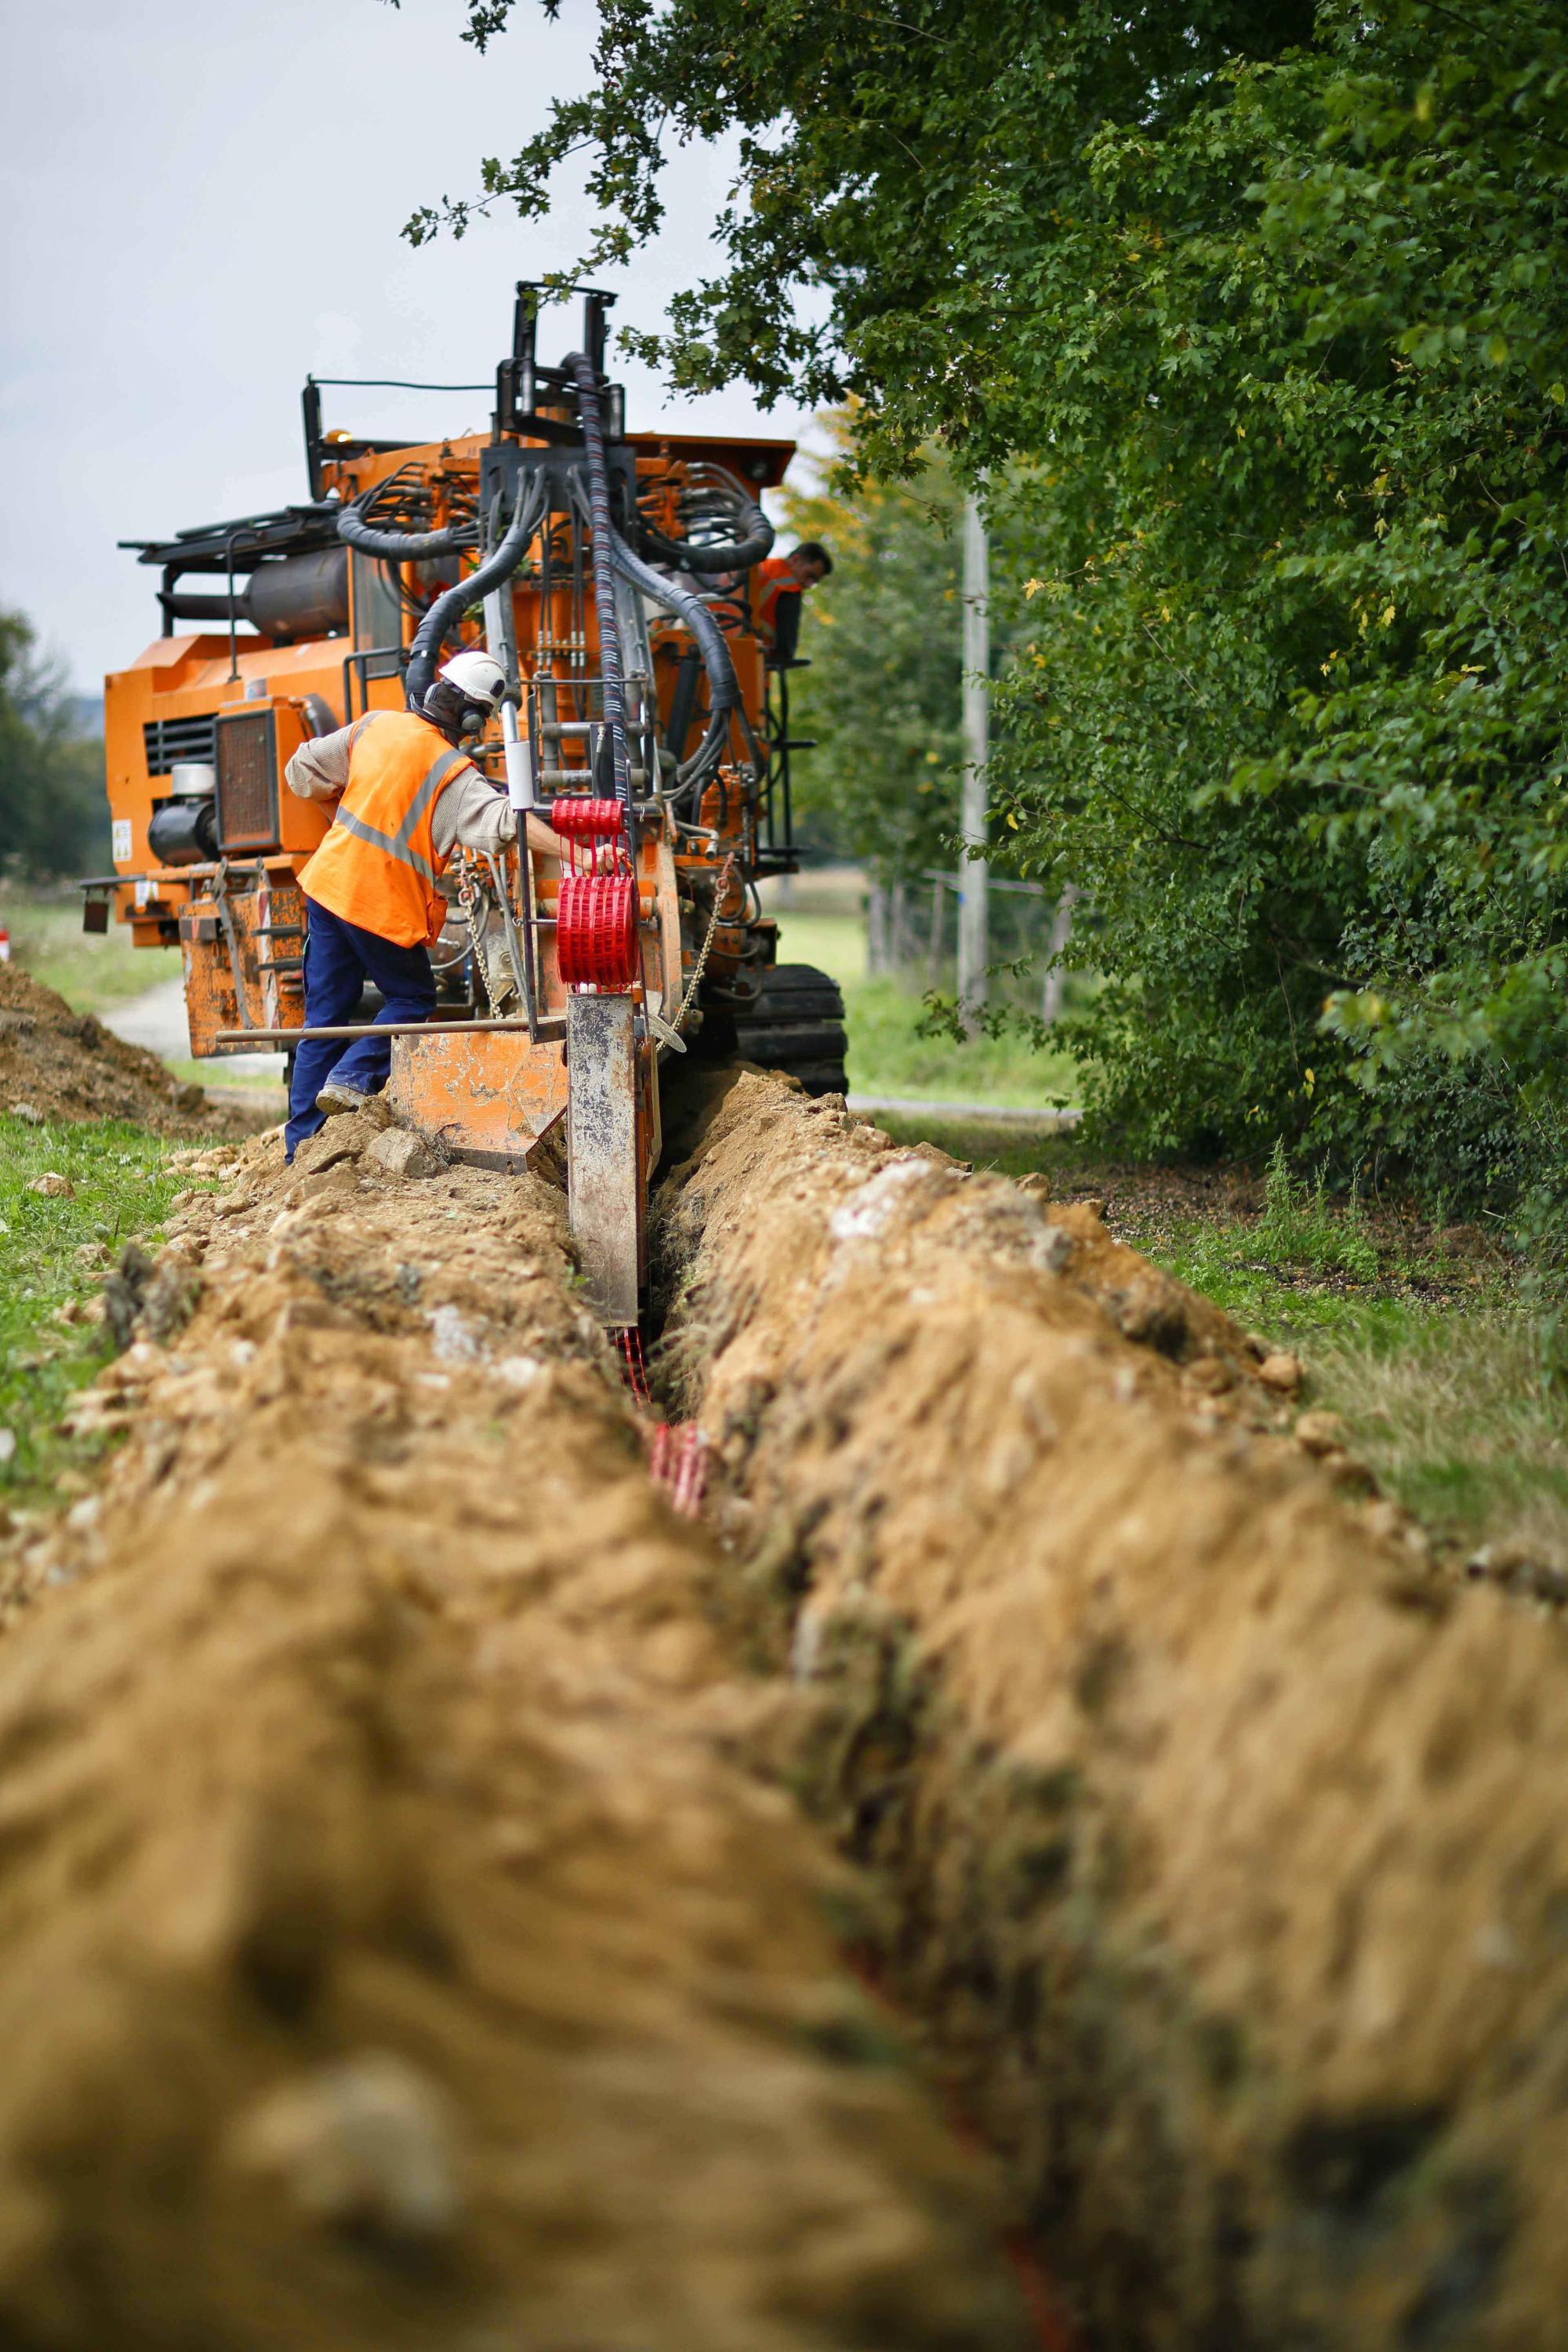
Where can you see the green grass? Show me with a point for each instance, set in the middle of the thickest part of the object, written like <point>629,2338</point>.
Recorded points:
<point>218,1071</point>
<point>888,1056</point>
<point>1438,1372</point>
<point>47,939</point>
<point>1418,1338</point>
<point>122,1188</point>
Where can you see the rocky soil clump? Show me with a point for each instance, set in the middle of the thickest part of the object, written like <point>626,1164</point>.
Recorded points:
<point>396,1949</point>
<point>1225,1840</point>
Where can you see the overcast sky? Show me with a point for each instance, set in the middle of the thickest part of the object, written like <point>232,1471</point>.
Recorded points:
<point>206,204</point>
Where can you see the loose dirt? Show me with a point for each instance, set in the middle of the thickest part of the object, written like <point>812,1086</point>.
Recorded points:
<point>67,1066</point>
<point>409,1932</point>
<point>1223,1839</point>
<point>396,1946</point>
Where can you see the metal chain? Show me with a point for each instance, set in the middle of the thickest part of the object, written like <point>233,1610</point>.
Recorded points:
<point>698,968</point>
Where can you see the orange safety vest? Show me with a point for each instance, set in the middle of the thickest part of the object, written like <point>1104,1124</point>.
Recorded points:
<point>774,578</point>
<point>378,863</point>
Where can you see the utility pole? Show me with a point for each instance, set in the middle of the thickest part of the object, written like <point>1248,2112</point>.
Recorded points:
<point>974,943</point>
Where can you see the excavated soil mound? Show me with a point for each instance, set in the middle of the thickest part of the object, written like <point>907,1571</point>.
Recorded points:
<point>68,1065</point>
<point>396,1949</point>
<point>1228,1843</point>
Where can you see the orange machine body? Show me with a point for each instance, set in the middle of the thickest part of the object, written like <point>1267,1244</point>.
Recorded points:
<point>299,634</point>
<point>240,704</point>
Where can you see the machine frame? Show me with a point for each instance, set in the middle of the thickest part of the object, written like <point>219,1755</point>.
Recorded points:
<point>307,632</point>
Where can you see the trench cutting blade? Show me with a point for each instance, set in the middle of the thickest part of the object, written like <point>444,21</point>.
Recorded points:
<point>603,1184</point>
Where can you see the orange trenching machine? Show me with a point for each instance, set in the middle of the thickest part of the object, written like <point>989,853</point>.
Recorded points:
<point>646,738</point>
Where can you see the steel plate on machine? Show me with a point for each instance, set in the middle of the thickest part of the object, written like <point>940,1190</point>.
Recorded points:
<point>487,1100</point>
<point>603,1187</point>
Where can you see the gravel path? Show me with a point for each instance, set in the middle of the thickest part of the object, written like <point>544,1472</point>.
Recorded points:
<point>156,1019</point>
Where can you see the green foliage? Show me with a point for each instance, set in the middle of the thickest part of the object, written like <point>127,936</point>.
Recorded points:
<point>54,815</point>
<point>1299,1230</point>
<point>1257,319</point>
<point>123,1185</point>
<point>882,698</point>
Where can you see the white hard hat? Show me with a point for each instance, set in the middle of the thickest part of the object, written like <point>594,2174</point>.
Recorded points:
<point>479,678</point>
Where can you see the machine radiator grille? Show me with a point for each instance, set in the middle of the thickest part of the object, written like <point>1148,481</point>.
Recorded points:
<point>246,783</point>
<point>168,740</point>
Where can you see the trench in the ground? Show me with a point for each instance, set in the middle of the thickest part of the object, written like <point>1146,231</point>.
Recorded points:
<point>403,1941</point>
<point>1221,1859</point>
<point>402,1930</point>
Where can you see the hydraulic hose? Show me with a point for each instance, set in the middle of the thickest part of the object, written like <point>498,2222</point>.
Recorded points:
<point>723,687</point>
<point>445,613</point>
<point>399,546</point>
<point>611,670</point>
<point>757,537</point>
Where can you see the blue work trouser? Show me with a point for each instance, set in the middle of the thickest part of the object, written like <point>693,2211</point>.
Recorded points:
<point>339,959</point>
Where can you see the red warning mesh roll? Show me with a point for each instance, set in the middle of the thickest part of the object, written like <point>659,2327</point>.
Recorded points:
<point>596,931</point>
<point>585,820</point>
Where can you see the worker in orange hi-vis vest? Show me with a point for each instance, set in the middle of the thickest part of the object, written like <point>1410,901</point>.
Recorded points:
<point>408,796</point>
<point>783,576</point>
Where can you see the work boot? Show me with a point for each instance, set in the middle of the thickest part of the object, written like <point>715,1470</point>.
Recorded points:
<point>338,1095</point>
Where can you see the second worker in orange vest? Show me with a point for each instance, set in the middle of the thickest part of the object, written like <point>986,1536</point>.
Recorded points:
<point>788,576</point>
<point>407,795</point>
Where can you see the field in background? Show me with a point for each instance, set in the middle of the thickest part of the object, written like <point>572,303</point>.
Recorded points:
<point>46,937</point>
<point>822,921</point>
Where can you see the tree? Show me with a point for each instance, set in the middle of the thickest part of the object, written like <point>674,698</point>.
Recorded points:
<point>53,812</point>
<point>1258,314</point>
<point>882,697</point>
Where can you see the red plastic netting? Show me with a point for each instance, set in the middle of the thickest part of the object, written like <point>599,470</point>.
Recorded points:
<point>596,931</point>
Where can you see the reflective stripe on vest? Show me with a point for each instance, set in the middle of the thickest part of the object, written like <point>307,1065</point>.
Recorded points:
<point>398,845</point>
<point>378,864</point>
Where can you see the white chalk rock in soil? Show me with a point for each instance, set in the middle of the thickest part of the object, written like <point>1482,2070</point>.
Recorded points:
<point>396,1152</point>
<point>53,1187</point>
<point>366,2141</point>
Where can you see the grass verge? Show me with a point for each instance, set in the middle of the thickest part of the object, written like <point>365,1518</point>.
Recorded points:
<point>46,937</point>
<point>54,1251</point>
<point>1416,1333</point>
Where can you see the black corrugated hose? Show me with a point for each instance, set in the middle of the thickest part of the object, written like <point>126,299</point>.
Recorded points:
<point>400,546</point>
<point>610,666</point>
<point>723,687</point>
<point>448,610</point>
<point>757,537</point>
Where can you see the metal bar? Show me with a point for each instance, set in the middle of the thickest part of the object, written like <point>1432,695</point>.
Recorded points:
<point>233,623</point>
<point>585,775</point>
<point>552,1024</point>
<point>187,877</point>
<point>394,384</point>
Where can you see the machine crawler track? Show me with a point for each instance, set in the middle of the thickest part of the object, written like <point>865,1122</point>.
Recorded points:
<point>796,1025</point>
